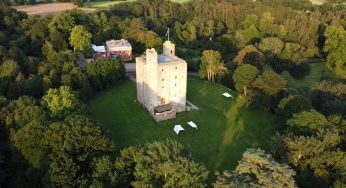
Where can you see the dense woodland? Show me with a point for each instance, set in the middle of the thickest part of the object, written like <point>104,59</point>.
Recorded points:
<point>47,139</point>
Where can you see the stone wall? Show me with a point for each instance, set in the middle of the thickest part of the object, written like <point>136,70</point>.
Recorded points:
<point>165,115</point>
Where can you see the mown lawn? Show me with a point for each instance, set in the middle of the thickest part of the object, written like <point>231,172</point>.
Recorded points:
<point>104,3</point>
<point>225,127</point>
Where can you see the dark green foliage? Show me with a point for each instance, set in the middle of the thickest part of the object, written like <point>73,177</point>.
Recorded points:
<point>36,57</point>
<point>330,98</point>
<point>104,73</point>
<point>270,83</point>
<point>318,154</point>
<point>307,122</point>
<point>76,149</point>
<point>29,141</point>
<point>243,76</point>
<point>165,164</point>
<point>257,169</point>
<point>291,105</point>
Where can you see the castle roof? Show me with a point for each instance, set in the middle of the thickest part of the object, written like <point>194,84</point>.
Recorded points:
<point>164,59</point>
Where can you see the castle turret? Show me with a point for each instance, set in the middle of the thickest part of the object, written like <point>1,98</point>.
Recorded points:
<point>151,56</point>
<point>168,48</point>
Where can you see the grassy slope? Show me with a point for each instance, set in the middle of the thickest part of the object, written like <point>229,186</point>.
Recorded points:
<point>226,127</point>
<point>317,71</point>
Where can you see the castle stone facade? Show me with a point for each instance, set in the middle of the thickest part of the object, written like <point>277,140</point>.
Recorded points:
<point>161,81</point>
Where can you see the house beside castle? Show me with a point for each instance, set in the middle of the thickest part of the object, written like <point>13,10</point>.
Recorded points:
<point>116,49</point>
<point>161,82</point>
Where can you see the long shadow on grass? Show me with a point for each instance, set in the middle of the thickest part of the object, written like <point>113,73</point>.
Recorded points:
<point>244,129</point>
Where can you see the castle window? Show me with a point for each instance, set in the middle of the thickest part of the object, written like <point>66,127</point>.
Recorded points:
<point>176,68</point>
<point>162,79</point>
<point>162,70</point>
<point>163,87</point>
<point>175,84</point>
<point>176,77</point>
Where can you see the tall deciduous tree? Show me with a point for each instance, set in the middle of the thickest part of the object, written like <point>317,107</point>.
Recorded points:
<point>307,122</point>
<point>9,69</point>
<point>250,55</point>
<point>243,76</point>
<point>78,148</point>
<point>161,164</point>
<point>292,104</point>
<point>257,169</point>
<point>212,66</point>
<point>63,102</point>
<point>335,46</point>
<point>270,83</point>
<point>80,38</point>
<point>318,154</point>
<point>29,141</point>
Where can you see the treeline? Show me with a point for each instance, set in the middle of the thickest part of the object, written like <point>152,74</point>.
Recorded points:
<point>47,139</point>
<point>32,2</point>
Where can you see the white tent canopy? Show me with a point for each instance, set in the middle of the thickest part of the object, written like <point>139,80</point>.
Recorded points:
<point>192,124</point>
<point>178,128</point>
<point>227,95</point>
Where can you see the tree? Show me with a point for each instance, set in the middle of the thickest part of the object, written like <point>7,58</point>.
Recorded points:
<point>79,2</point>
<point>250,55</point>
<point>271,46</point>
<point>243,76</point>
<point>270,83</point>
<point>161,164</point>
<point>104,73</point>
<point>318,154</point>
<point>150,39</point>
<point>9,69</point>
<point>247,36</point>
<point>80,38</point>
<point>335,46</point>
<point>78,148</point>
<point>330,98</point>
<point>257,169</point>
<point>307,122</point>
<point>291,105</point>
<point>251,19</point>
<point>125,166</point>
<point>212,65</point>
<point>29,141</point>
<point>62,102</point>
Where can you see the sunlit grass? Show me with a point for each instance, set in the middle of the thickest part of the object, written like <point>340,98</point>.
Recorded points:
<point>104,4</point>
<point>226,127</point>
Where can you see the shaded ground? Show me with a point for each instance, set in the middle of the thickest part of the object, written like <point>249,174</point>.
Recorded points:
<point>318,71</point>
<point>49,8</point>
<point>225,127</point>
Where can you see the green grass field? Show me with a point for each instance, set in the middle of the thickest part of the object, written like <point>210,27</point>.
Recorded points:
<point>104,3</point>
<point>181,1</point>
<point>225,127</point>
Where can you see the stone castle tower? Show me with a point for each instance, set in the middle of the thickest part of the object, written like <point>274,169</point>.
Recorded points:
<point>161,79</point>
